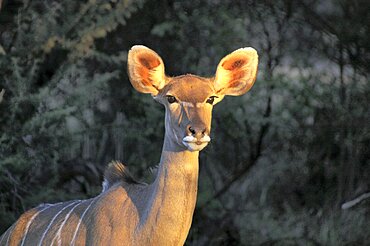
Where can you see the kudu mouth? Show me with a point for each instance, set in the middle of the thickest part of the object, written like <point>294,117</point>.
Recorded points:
<point>196,144</point>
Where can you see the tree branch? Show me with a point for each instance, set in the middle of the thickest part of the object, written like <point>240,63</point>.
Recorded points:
<point>2,92</point>
<point>252,160</point>
<point>355,201</point>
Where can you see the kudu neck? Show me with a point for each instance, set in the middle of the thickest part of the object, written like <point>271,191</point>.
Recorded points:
<point>173,196</point>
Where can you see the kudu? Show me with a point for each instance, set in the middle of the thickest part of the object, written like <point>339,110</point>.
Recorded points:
<point>132,213</point>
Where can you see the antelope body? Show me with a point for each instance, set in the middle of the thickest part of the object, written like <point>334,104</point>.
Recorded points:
<point>132,213</point>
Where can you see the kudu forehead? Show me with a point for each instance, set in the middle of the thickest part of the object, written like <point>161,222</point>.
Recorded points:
<point>190,88</point>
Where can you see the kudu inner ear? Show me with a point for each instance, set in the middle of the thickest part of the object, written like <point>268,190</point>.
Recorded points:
<point>146,70</point>
<point>236,72</point>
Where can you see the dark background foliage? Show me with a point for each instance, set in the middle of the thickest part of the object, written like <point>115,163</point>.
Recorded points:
<point>284,157</point>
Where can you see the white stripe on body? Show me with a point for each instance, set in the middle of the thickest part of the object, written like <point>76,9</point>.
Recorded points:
<point>32,218</point>
<point>57,236</point>
<point>79,222</point>
<point>9,231</point>
<point>3,236</point>
<point>53,219</point>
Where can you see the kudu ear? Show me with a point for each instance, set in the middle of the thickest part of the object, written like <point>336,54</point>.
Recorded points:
<point>236,72</point>
<point>146,70</point>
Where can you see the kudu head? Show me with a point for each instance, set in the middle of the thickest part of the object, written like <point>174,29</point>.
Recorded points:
<point>189,99</point>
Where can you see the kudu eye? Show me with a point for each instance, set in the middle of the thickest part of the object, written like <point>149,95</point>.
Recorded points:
<point>211,99</point>
<point>171,99</point>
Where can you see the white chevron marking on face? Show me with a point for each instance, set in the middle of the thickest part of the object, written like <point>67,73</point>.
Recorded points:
<point>187,104</point>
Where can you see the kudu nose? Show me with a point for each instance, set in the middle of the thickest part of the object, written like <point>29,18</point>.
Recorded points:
<point>195,131</point>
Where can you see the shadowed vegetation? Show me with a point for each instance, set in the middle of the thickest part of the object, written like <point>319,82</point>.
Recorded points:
<point>284,157</point>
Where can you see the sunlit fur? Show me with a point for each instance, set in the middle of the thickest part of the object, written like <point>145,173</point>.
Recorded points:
<point>190,109</point>
<point>235,75</point>
<point>146,67</point>
<point>237,72</point>
<point>132,213</point>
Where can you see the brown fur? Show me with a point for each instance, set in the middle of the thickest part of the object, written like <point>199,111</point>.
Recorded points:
<point>128,213</point>
<point>117,172</point>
